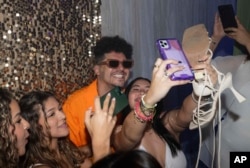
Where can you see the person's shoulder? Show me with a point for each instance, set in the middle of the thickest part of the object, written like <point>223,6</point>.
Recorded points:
<point>79,91</point>
<point>76,95</point>
<point>82,92</point>
<point>228,63</point>
<point>229,58</point>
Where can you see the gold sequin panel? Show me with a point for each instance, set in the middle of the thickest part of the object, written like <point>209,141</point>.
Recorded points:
<point>47,44</point>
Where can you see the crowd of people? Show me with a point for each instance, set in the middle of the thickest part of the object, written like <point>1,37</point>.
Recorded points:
<point>40,131</point>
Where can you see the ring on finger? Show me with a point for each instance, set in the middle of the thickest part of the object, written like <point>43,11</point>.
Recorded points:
<point>166,74</point>
<point>156,66</point>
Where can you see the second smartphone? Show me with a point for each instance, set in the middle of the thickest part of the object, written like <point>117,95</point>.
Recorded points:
<point>121,99</point>
<point>227,16</point>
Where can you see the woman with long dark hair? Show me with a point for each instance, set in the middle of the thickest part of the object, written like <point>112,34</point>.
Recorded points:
<point>49,145</point>
<point>161,138</point>
<point>13,131</point>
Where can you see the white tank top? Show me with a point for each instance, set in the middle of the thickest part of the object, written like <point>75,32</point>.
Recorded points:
<point>179,161</point>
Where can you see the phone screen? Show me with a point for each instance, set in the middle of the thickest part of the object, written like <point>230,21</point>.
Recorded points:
<point>121,99</point>
<point>227,16</point>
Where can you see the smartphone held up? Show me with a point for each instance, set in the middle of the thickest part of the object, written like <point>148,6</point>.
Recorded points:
<point>170,48</point>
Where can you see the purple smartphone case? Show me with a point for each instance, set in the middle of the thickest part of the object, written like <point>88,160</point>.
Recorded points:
<point>170,48</point>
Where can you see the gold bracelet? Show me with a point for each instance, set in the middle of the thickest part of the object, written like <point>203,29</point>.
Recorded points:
<point>140,115</point>
<point>147,111</point>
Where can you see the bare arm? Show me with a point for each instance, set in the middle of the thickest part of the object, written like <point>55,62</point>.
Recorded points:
<point>130,134</point>
<point>178,120</point>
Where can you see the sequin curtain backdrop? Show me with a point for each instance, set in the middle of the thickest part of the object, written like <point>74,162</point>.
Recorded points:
<point>47,44</point>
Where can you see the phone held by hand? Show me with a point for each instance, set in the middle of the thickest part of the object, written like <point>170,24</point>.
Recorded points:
<point>121,99</point>
<point>170,48</point>
<point>227,16</point>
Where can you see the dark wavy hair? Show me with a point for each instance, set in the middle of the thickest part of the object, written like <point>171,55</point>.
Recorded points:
<point>9,157</point>
<point>157,123</point>
<point>133,159</point>
<point>38,150</point>
<point>108,44</point>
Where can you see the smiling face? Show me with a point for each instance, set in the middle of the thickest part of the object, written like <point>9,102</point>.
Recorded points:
<point>56,119</point>
<point>139,88</point>
<point>110,77</point>
<point>21,127</point>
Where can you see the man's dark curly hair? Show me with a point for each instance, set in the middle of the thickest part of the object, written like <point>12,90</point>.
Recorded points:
<point>108,44</point>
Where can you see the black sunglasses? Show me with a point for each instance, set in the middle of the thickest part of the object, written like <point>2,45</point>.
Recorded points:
<point>111,63</point>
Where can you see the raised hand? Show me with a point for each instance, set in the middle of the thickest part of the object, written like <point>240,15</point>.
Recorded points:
<point>240,34</point>
<point>100,125</point>
<point>161,83</point>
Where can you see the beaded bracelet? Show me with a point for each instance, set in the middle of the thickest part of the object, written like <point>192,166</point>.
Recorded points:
<point>140,116</point>
<point>137,118</point>
<point>146,109</point>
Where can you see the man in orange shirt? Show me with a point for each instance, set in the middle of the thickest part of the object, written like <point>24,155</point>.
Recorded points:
<point>113,60</point>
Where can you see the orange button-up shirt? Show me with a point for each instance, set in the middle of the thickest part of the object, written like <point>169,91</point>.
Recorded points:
<point>74,108</point>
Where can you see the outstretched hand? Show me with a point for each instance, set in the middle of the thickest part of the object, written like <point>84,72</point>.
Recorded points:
<point>161,82</point>
<point>100,123</point>
<point>240,34</point>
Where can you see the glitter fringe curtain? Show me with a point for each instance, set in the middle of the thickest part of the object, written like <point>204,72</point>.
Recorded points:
<point>47,44</point>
